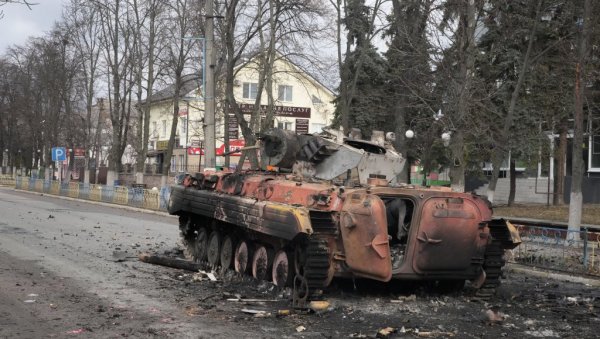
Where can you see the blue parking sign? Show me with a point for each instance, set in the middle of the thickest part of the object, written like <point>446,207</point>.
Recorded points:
<point>59,154</point>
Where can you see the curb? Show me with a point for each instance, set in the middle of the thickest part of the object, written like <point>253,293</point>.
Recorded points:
<point>537,272</point>
<point>91,202</point>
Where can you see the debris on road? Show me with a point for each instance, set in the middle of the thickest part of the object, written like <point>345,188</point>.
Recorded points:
<point>319,306</point>
<point>257,313</point>
<point>201,275</point>
<point>77,331</point>
<point>494,316</point>
<point>251,300</point>
<point>385,332</point>
<point>300,328</point>
<point>169,262</point>
<point>402,299</point>
<point>120,256</point>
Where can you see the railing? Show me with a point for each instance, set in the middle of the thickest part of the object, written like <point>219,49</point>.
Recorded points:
<point>559,249</point>
<point>7,180</point>
<point>121,195</point>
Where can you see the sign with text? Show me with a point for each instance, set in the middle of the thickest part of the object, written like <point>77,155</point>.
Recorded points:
<point>162,145</point>
<point>232,127</point>
<point>59,154</point>
<point>195,150</point>
<point>279,111</point>
<point>79,153</point>
<point>302,126</point>
<point>234,145</point>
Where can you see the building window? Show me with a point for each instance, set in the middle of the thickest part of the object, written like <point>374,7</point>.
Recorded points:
<point>182,164</point>
<point>250,90</point>
<point>154,130</point>
<point>316,99</point>
<point>316,128</point>
<point>163,129</point>
<point>285,125</point>
<point>285,93</point>
<point>183,126</point>
<point>595,156</point>
<point>173,165</point>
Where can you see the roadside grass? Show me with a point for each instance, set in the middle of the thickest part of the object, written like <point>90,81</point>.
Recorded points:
<point>591,212</point>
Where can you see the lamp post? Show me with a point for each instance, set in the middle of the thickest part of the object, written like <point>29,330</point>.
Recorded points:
<point>446,135</point>
<point>208,89</point>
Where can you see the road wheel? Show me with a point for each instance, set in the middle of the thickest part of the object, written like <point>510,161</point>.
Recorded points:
<point>283,271</point>
<point>242,257</point>
<point>214,249</point>
<point>260,263</point>
<point>201,245</point>
<point>226,256</point>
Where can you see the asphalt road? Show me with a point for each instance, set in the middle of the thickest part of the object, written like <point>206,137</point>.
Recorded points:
<point>59,279</point>
<point>58,276</point>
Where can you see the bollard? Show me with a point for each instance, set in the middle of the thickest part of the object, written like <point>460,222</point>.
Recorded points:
<point>585,248</point>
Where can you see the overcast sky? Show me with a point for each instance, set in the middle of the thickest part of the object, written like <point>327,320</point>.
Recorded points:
<point>19,22</point>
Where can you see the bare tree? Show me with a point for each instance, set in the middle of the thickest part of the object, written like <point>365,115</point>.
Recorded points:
<point>178,52</point>
<point>266,31</point>
<point>117,49</point>
<point>147,27</point>
<point>83,26</point>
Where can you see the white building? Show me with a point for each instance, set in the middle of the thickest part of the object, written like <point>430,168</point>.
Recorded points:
<point>302,104</point>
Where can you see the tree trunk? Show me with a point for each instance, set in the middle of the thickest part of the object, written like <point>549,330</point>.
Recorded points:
<point>576,204</point>
<point>457,168</point>
<point>466,46</point>
<point>513,183</point>
<point>497,159</point>
<point>559,177</point>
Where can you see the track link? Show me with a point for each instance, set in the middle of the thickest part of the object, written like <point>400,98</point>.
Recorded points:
<point>492,265</point>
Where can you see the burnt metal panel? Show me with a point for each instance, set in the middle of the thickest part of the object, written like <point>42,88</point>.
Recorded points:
<point>448,237</point>
<point>365,238</point>
<point>275,219</point>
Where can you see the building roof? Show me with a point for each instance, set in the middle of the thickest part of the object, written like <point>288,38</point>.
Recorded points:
<point>194,81</point>
<point>190,82</point>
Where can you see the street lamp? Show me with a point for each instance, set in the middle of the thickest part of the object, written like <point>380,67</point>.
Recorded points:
<point>437,117</point>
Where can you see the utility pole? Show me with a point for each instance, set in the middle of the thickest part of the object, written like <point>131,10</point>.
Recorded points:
<point>209,108</point>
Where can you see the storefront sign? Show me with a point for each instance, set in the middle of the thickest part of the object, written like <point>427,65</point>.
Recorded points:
<point>302,126</point>
<point>162,145</point>
<point>280,111</point>
<point>232,127</point>
<point>234,145</point>
<point>79,153</point>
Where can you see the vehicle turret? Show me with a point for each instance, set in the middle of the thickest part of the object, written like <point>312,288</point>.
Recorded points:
<point>331,156</point>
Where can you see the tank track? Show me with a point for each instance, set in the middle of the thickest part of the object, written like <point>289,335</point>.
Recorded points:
<point>318,264</point>
<point>188,235</point>
<point>492,265</point>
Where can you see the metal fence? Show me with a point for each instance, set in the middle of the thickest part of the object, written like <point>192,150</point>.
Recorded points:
<point>7,180</point>
<point>575,252</point>
<point>153,199</point>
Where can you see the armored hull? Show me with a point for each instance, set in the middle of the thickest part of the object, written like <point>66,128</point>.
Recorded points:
<point>305,231</point>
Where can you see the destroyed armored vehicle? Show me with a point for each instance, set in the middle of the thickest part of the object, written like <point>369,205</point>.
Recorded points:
<point>330,206</point>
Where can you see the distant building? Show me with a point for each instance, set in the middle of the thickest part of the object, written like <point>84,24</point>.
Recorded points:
<point>302,104</point>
